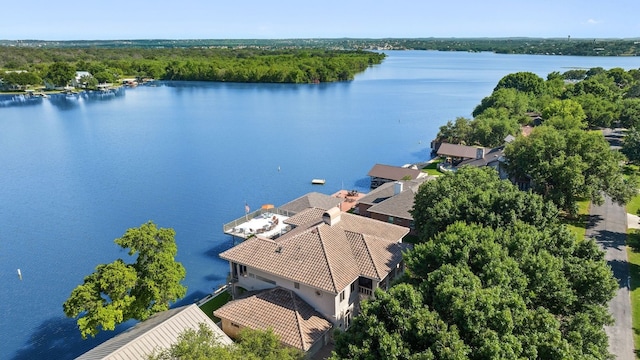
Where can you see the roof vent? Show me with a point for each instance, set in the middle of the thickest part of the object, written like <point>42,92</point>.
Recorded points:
<point>331,216</point>
<point>397,188</point>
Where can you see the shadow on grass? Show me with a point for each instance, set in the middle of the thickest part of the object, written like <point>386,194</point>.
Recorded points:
<point>633,242</point>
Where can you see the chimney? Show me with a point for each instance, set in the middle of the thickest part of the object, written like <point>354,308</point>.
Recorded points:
<point>331,216</point>
<point>479,153</point>
<point>397,188</point>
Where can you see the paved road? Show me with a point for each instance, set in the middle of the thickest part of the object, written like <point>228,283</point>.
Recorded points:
<point>608,225</point>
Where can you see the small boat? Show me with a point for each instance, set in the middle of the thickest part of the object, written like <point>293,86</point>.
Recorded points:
<point>318,181</point>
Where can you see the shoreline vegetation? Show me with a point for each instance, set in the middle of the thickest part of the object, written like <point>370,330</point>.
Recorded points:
<point>32,64</point>
<point>25,67</point>
<point>507,45</point>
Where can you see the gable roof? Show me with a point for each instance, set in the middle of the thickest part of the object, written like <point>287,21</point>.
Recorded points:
<point>157,332</point>
<point>384,200</point>
<point>459,151</point>
<point>490,157</point>
<point>320,255</point>
<point>310,200</point>
<point>393,172</point>
<point>295,321</point>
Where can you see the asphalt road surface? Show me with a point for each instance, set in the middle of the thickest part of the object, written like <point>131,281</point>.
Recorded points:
<point>608,225</point>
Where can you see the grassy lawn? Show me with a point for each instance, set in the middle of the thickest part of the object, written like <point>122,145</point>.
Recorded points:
<point>633,254</point>
<point>214,304</point>
<point>432,168</point>
<point>634,205</point>
<point>579,225</point>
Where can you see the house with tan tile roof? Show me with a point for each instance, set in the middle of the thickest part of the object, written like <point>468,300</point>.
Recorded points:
<point>297,323</point>
<point>330,259</point>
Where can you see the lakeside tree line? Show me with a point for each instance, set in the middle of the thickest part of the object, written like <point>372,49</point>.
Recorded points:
<point>565,158</point>
<point>514,45</point>
<point>31,66</point>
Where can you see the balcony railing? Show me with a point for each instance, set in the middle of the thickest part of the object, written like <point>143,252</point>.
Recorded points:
<point>365,291</point>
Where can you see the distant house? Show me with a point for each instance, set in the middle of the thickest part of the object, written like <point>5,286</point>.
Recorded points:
<point>456,153</point>
<point>329,260</point>
<point>392,202</point>
<point>154,334</point>
<point>77,82</point>
<point>381,174</point>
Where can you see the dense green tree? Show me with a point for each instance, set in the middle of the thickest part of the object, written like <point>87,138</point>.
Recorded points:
<point>60,73</point>
<point>476,195</point>
<point>564,114</point>
<point>516,102</point>
<point>475,292</point>
<point>491,127</point>
<point>518,291</point>
<point>599,111</point>
<point>398,325</point>
<point>458,132</point>
<point>251,345</point>
<point>526,82</point>
<point>630,113</point>
<point>574,74</point>
<point>566,166</point>
<point>118,292</point>
<point>631,145</point>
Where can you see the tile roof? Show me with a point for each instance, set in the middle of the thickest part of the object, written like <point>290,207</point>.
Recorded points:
<point>310,200</point>
<point>393,172</point>
<point>320,255</point>
<point>295,321</point>
<point>158,332</point>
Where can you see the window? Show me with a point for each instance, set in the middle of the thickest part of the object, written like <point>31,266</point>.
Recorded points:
<point>353,287</point>
<point>235,325</point>
<point>242,270</point>
<point>296,285</point>
<point>265,279</point>
<point>390,219</point>
<point>342,296</point>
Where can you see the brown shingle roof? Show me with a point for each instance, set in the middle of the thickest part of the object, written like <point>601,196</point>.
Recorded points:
<point>317,254</point>
<point>393,172</point>
<point>295,321</point>
<point>459,151</point>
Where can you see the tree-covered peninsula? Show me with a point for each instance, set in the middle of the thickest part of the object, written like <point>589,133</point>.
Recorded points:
<point>192,64</point>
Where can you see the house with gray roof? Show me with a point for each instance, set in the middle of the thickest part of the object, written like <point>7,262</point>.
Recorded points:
<point>392,202</point>
<point>329,259</point>
<point>157,333</point>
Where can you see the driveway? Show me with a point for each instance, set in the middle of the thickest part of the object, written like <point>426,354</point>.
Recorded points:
<point>608,225</point>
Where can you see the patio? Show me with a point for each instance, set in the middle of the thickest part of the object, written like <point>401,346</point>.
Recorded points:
<point>267,224</point>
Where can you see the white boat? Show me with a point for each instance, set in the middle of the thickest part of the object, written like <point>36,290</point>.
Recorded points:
<point>318,181</point>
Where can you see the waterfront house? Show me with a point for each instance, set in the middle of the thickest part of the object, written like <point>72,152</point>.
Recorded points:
<point>157,333</point>
<point>392,202</point>
<point>77,81</point>
<point>381,174</point>
<point>329,259</point>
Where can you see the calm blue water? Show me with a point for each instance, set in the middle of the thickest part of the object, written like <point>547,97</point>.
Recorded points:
<point>75,173</point>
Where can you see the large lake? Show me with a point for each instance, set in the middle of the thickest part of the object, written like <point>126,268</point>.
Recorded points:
<point>76,172</point>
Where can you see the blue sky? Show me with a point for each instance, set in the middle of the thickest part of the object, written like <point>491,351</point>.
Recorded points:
<point>246,19</point>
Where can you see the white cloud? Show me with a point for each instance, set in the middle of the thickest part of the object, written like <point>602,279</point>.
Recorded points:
<point>593,22</point>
